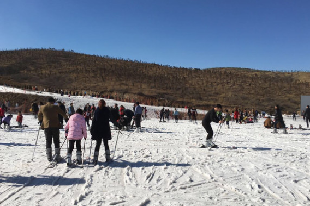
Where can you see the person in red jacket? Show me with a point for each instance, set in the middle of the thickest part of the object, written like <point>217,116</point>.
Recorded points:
<point>236,114</point>
<point>121,111</point>
<point>19,119</point>
<point>1,116</point>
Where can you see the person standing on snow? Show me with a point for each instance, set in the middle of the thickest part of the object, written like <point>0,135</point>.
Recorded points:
<point>100,130</point>
<point>76,128</point>
<point>1,116</point>
<point>236,114</point>
<point>19,119</point>
<point>48,118</point>
<point>211,116</point>
<point>71,110</point>
<point>35,109</point>
<point>307,114</point>
<point>138,114</point>
<point>60,118</point>
<point>162,115</point>
<point>278,118</point>
<point>176,115</point>
<point>194,113</point>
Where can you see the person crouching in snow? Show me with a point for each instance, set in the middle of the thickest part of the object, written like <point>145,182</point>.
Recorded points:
<point>76,127</point>
<point>6,121</point>
<point>211,116</point>
<point>19,119</point>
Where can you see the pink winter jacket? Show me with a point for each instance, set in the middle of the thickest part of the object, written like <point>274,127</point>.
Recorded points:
<point>77,127</point>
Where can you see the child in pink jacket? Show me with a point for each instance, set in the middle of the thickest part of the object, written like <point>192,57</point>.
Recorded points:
<point>76,130</point>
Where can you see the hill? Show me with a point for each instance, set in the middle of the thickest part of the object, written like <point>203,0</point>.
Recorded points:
<point>129,80</point>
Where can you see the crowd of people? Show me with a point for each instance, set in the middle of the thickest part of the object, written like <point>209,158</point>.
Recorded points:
<point>52,115</point>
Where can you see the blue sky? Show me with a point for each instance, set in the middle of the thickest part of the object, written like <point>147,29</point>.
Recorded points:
<point>259,34</point>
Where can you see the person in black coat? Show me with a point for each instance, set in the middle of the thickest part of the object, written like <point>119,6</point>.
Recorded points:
<point>278,119</point>
<point>100,130</point>
<point>211,116</point>
<point>307,114</point>
<point>60,117</point>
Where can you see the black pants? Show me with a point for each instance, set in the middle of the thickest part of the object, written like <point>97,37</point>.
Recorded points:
<point>98,143</point>
<point>52,134</point>
<point>194,117</point>
<point>208,128</point>
<point>307,120</point>
<point>176,118</point>
<point>236,120</point>
<point>87,122</point>
<point>282,125</point>
<point>162,118</point>
<point>71,146</point>
<point>138,120</point>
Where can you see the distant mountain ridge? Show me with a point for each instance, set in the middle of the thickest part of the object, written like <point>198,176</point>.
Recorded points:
<point>129,80</point>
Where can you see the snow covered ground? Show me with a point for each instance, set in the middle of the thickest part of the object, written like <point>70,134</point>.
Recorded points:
<point>162,165</point>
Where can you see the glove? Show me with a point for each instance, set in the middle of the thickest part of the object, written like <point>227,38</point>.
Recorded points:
<point>40,122</point>
<point>85,138</point>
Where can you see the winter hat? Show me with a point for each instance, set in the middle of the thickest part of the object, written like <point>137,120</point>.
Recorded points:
<point>219,106</point>
<point>51,99</point>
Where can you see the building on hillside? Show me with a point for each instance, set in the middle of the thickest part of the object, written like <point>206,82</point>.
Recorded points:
<point>304,101</point>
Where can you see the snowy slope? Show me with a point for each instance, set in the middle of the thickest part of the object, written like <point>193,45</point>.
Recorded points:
<point>162,166</point>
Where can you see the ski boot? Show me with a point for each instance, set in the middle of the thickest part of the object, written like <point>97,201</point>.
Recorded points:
<point>211,144</point>
<point>96,154</point>
<point>69,162</point>
<point>57,155</point>
<point>274,130</point>
<point>107,156</point>
<point>49,154</point>
<point>78,157</point>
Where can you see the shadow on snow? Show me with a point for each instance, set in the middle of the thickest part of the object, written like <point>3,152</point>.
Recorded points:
<point>15,144</point>
<point>40,180</point>
<point>124,164</point>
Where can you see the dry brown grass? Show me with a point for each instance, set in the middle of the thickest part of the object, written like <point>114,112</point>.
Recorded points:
<point>151,83</point>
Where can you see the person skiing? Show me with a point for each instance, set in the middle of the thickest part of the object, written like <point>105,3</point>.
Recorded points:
<point>76,128</point>
<point>100,130</point>
<point>211,116</point>
<point>307,115</point>
<point>48,118</point>
<point>138,114</point>
<point>19,119</point>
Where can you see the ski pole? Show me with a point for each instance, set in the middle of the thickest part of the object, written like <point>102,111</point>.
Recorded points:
<point>91,144</point>
<point>217,132</point>
<point>64,143</point>
<point>83,152</point>
<point>35,144</point>
<point>115,144</point>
